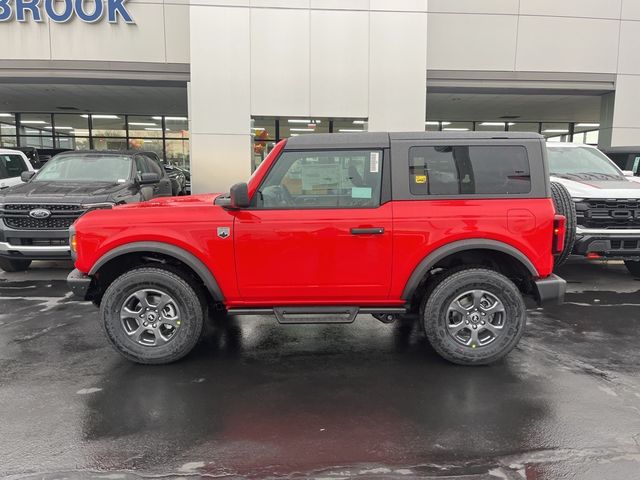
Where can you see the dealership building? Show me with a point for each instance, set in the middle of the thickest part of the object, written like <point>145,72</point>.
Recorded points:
<point>215,83</point>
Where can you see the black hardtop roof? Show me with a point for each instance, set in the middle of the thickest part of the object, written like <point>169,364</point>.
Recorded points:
<point>382,139</point>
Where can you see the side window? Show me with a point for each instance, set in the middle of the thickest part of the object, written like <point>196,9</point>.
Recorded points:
<point>469,170</point>
<point>11,166</point>
<point>141,165</point>
<point>323,179</point>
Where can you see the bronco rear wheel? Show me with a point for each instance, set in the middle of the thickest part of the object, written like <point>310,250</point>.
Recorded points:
<point>474,316</point>
<point>10,265</point>
<point>152,315</point>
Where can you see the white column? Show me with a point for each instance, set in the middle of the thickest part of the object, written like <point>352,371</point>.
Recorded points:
<point>219,99</point>
<point>620,122</point>
<point>397,69</point>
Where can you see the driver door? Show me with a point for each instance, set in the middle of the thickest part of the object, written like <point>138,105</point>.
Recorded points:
<point>317,231</point>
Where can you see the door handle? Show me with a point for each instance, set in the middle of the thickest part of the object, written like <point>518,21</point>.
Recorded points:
<point>367,231</point>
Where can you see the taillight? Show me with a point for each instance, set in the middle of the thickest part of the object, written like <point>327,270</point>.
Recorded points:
<point>559,231</point>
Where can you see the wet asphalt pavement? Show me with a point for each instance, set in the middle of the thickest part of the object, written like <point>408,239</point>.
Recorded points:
<point>368,400</point>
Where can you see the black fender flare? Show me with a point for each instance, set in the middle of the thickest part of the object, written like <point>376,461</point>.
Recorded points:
<point>193,262</point>
<point>460,246</point>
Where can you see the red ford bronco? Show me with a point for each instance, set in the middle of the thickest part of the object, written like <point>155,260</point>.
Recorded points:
<point>457,227</point>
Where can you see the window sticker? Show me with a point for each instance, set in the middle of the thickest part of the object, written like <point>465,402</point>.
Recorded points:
<point>374,162</point>
<point>421,179</point>
<point>361,192</point>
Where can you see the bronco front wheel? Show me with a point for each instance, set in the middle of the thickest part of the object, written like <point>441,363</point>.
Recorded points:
<point>152,315</point>
<point>474,316</point>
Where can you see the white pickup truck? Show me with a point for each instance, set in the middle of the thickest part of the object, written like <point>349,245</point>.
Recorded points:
<point>607,203</point>
<point>12,164</point>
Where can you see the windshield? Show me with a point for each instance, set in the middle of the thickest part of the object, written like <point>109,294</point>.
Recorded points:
<point>11,166</point>
<point>581,162</point>
<point>86,168</point>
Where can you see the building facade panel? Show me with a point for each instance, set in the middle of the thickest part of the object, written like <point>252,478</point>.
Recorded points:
<point>339,64</point>
<point>280,82</point>
<point>554,44</point>
<point>397,88</point>
<point>609,9</point>
<point>25,41</point>
<point>176,27</point>
<point>505,7</point>
<point>480,42</point>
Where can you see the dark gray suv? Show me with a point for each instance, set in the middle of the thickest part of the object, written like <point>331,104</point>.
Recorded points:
<point>36,215</point>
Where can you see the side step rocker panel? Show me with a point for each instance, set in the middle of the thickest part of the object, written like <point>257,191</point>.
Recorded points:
<point>320,314</point>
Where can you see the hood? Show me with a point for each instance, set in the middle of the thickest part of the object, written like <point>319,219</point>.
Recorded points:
<point>185,201</point>
<point>61,192</point>
<point>600,188</point>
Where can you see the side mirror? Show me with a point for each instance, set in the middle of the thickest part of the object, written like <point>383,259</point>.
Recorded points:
<point>628,173</point>
<point>26,176</point>
<point>148,178</point>
<point>239,196</point>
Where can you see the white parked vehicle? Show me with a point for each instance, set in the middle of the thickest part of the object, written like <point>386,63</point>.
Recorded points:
<point>606,200</point>
<point>12,164</point>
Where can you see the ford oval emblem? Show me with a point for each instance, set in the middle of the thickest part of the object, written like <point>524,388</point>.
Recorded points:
<point>40,213</point>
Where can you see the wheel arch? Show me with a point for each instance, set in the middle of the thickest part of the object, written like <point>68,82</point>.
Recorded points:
<point>421,271</point>
<point>197,266</point>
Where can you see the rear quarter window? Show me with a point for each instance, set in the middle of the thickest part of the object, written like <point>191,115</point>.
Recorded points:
<point>469,170</point>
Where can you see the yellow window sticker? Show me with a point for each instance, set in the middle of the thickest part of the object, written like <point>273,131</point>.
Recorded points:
<point>421,179</point>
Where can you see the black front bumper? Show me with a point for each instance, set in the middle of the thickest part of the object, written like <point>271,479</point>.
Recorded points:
<point>550,290</point>
<point>618,245</point>
<point>79,283</point>
<point>34,244</point>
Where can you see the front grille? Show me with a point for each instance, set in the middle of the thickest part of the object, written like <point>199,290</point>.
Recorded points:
<point>28,223</point>
<point>625,244</point>
<point>16,216</point>
<point>609,213</point>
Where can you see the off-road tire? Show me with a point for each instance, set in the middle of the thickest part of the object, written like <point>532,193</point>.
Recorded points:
<point>633,266</point>
<point>179,288</point>
<point>564,206</point>
<point>452,284</point>
<point>10,265</point>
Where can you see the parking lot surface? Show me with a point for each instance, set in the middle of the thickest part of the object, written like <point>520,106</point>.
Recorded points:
<point>369,400</point>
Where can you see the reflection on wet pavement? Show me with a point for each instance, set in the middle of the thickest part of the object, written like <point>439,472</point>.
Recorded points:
<point>257,399</point>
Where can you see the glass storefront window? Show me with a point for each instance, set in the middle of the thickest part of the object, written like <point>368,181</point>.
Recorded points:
<point>175,126</point>
<point>71,131</point>
<point>558,132</point>
<point>524,127</point>
<point>147,145</point>
<point>457,126</point>
<point>72,143</point>
<point>8,142</point>
<point>491,126</point>
<point>433,125</point>
<point>106,125</point>
<point>178,152</point>
<point>38,142</point>
<point>109,144</point>
<point>348,125</point>
<point>586,132</point>
<point>7,124</point>
<point>291,127</point>
<point>144,126</point>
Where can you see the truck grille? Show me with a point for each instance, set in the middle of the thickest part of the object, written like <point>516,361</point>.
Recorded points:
<point>16,216</point>
<point>611,214</point>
